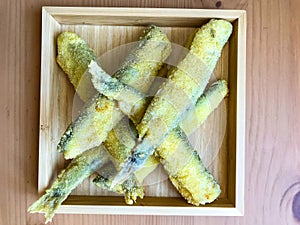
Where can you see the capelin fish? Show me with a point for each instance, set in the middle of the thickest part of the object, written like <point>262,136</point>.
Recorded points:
<point>187,173</point>
<point>129,100</point>
<point>205,105</point>
<point>142,65</point>
<point>182,162</point>
<point>74,56</point>
<point>119,143</point>
<point>100,115</point>
<point>131,188</point>
<point>178,94</point>
<point>79,169</point>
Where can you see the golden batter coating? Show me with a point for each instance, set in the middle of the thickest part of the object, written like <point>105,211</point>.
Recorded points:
<point>79,169</point>
<point>189,176</point>
<point>74,56</point>
<point>100,115</point>
<point>179,93</point>
<point>182,163</point>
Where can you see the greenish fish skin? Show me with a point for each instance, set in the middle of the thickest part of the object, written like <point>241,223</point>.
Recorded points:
<point>100,115</point>
<point>74,56</point>
<point>130,101</point>
<point>179,93</point>
<point>187,82</point>
<point>208,101</point>
<point>86,162</point>
<point>199,187</point>
<point>79,169</point>
<point>175,143</point>
<point>129,188</point>
<point>186,177</point>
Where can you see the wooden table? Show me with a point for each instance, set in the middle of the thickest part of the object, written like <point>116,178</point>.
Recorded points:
<point>273,128</point>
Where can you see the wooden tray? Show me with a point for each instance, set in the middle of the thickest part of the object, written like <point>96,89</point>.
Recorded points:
<point>104,29</point>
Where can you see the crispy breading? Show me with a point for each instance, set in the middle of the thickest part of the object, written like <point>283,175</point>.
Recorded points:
<point>79,169</point>
<point>182,163</point>
<point>178,94</point>
<point>100,115</point>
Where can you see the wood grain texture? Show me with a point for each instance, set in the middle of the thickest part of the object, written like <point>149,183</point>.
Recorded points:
<point>273,130</point>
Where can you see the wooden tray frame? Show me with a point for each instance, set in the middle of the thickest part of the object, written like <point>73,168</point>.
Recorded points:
<point>233,205</point>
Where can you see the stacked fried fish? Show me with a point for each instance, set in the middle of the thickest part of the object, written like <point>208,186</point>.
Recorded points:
<point>100,138</point>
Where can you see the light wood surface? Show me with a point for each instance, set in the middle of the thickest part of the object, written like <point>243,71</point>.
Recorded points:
<point>272,130</point>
